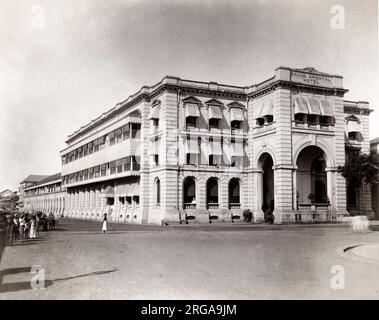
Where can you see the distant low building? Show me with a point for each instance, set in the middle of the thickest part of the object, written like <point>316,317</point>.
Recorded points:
<point>47,196</point>
<point>31,180</point>
<point>8,200</point>
<point>374,148</point>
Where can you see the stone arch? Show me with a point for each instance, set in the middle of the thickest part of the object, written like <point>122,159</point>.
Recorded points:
<point>157,191</point>
<point>327,153</point>
<point>269,150</point>
<point>189,191</point>
<point>212,192</point>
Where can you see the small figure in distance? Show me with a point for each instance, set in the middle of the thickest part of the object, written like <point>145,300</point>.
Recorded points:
<point>104,228</point>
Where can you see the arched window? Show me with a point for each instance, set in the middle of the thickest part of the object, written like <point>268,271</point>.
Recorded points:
<point>157,192</point>
<point>234,194</point>
<point>189,193</point>
<point>212,193</point>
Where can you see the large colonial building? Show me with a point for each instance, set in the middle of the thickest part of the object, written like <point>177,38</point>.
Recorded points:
<point>47,196</point>
<point>185,150</point>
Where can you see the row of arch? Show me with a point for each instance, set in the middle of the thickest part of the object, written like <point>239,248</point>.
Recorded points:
<point>45,204</point>
<point>189,200</point>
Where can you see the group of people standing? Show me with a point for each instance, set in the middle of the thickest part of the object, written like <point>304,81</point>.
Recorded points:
<point>26,226</point>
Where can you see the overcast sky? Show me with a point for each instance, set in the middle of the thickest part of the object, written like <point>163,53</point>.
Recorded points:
<point>63,63</point>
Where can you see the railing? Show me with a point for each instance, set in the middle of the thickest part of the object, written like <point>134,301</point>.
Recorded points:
<point>190,206</point>
<point>234,206</point>
<point>212,205</point>
<point>313,206</point>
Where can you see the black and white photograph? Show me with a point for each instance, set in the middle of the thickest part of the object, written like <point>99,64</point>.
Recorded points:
<point>189,150</point>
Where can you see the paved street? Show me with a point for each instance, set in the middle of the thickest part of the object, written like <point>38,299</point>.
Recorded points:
<point>191,262</point>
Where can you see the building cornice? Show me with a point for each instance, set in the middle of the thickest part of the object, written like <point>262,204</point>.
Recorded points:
<point>184,87</point>
<point>281,84</point>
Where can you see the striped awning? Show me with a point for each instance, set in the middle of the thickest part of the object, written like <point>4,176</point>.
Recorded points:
<point>313,107</point>
<point>108,192</point>
<point>236,114</point>
<point>215,112</point>
<point>154,147</point>
<point>237,149</point>
<point>267,109</point>
<point>300,105</point>
<point>154,113</point>
<point>353,126</point>
<point>326,108</point>
<point>216,148</point>
<point>133,119</point>
<point>192,110</point>
<point>192,146</point>
<point>258,111</point>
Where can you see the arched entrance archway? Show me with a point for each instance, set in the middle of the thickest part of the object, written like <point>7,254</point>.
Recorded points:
<point>311,177</point>
<point>265,187</point>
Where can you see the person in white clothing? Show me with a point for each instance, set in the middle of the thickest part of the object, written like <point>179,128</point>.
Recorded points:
<point>104,229</point>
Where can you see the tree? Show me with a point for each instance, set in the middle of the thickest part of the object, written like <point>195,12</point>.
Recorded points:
<point>360,168</point>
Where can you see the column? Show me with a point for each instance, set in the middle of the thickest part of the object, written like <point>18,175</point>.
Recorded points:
<point>258,195</point>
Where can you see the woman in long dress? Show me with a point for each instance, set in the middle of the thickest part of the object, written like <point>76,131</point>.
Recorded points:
<point>33,225</point>
<point>105,223</point>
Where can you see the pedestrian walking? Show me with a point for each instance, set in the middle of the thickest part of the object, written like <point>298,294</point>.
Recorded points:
<point>105,223</point>
<point>33,227</point>
<point>37,224</point>
<point>22,226</point>
<point>16,228</point>
<point>27,226</point>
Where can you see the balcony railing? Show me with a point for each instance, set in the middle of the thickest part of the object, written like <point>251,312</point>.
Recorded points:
<point>212,205</point>
<point>234,206</point>
<point>313,206</point>
<point>190,206</point>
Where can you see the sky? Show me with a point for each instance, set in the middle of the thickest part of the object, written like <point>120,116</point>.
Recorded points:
<point>64,62</point>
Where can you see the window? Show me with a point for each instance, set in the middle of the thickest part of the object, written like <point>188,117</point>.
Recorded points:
<point>312,119</point>
<point>236,124</point>
<point>269,119</point>
<point>126,132</point>
<point>190,122</point>
<point>155,123</point>
<point>112,166</point>
<point>136,200</point>
<point>118,134</point>
<point>136,130</point>
<point>353,135</point>
<point>128,200</point>
<point>191,158</point>
<point>119,166</point>
<point>103,170</point>
<point>214,160</point>
<point>112,139</point>
<point>236,161</point>
<point>121,200</point>
<point>325,120</point>
<point>136,163</point>
<point>157,192</point>
<point>127,166</point>
<point>90,148</point>
<point>260,122</point>
<point>156,159</point>
<point>97,171</point>
<point>214,123</point>
<point>300,117</point>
